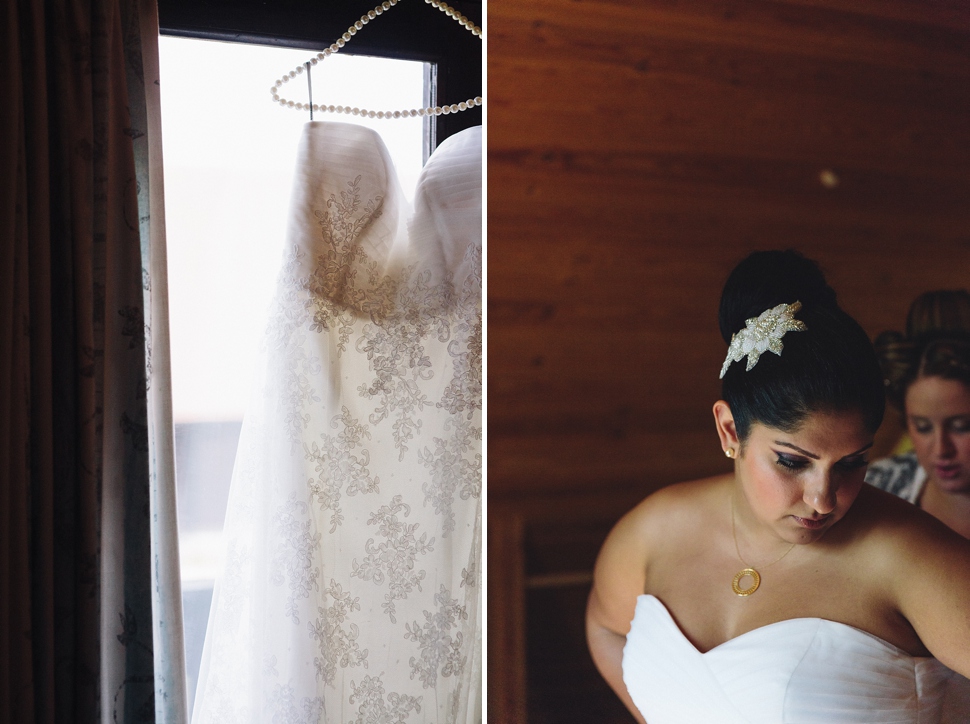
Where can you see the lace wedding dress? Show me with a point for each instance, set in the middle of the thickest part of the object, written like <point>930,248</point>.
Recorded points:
<point>351,586</point>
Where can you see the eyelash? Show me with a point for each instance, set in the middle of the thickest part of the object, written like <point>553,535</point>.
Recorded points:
<point>790,464</point>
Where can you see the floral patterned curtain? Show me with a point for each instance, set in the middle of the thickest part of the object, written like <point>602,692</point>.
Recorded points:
<point>351,589</point>
<point>89,613</point>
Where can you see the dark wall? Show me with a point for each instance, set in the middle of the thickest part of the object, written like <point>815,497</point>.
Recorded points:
<point>636,151</point>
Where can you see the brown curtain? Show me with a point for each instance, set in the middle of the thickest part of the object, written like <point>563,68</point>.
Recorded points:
<point>78,486</point>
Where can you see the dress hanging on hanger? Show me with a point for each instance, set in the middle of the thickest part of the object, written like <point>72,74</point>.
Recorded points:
<point>351,592</point>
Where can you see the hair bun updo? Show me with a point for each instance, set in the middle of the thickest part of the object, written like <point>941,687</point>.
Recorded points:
<point>831,366</point>
<point>766,279</point>
<point>936,343</point>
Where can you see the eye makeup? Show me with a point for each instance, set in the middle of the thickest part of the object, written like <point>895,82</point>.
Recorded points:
<point>792,463</point>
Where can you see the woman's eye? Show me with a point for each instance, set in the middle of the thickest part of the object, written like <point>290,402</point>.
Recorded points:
<point>960,425</point>
<point>791,463</point>
<point>923,428</point>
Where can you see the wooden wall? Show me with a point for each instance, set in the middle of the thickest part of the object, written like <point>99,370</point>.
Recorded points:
<point>636,150</point>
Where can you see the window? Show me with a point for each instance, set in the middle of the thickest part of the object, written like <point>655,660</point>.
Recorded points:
<point>229,160</point>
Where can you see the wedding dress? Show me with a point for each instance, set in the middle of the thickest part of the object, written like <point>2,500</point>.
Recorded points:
<point>351,587</point>
<point>799,671</point>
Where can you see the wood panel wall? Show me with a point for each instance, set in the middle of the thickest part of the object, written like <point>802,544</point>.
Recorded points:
<point>637,149</point>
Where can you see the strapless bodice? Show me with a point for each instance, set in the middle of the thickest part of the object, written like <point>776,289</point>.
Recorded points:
<point>798,671</point>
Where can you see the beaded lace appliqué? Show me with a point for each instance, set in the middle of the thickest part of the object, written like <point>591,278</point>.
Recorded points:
<point>763,333</point>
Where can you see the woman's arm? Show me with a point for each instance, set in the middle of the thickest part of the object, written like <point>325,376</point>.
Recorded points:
<point>618,579</point>
<point>606,647</point>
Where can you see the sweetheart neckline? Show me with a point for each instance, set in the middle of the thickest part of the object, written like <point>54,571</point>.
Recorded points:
<point>353,133</point>
<point>759,629</point>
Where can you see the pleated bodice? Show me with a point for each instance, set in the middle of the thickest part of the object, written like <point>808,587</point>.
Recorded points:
<point>798,671</point>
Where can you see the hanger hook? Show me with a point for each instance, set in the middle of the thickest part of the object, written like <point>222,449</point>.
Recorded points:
<point>309,88</point>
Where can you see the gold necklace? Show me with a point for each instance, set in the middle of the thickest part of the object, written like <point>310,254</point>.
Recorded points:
<point>748,570</point>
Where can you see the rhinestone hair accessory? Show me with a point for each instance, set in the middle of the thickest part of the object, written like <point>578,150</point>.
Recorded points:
<point>762,334</point>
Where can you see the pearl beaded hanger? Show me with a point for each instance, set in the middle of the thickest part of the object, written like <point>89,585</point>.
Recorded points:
<point>344,39</point>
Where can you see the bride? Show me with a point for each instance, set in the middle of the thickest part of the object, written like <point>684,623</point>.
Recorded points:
<point>788,591</point>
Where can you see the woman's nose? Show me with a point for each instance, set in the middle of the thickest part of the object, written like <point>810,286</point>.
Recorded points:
<point>820,495</point>
<point>943,447</point>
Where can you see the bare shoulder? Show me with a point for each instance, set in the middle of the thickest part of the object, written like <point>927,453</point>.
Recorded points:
<point>641,535</point>
<point>924,568</point>
<point>891,534</point>
<point>664,516</point>
<point>659,518</point>
<point>898,531</point>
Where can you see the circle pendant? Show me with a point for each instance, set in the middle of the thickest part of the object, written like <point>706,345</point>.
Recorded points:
<point>755,582</point>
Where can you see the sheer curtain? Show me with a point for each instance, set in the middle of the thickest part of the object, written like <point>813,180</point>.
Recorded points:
<point>89,601</point>
<point>351,588</point>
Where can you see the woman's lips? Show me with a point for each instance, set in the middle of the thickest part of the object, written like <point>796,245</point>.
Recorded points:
<point>947,472</point>
<point>811,523</point>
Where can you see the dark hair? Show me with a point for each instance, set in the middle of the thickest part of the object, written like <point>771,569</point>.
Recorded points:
<point>831,366</point>
<point>936,343</point>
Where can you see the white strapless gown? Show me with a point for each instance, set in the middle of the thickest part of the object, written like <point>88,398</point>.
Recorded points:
<point>351,591</point>
<point>799,671</point>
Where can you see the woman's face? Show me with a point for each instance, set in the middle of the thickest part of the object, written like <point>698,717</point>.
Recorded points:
<point>938,420</point>
<point>799,484</point>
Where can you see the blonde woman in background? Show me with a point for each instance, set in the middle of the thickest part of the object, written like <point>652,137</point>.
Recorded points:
<point>927,373</point>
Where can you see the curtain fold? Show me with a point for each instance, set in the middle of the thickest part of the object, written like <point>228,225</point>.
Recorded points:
<point>82,501</point>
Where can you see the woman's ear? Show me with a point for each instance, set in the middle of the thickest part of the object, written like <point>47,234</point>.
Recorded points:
<point>724,421</point>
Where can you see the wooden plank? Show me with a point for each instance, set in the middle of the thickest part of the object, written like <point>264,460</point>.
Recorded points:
<point>825,32</point>
<point>942,189</point>
<point>506,617</point>
<point>660,77</point>
<point>574,462</point>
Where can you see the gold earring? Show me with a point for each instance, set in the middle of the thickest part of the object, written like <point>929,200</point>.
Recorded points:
<point>729,452</point>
